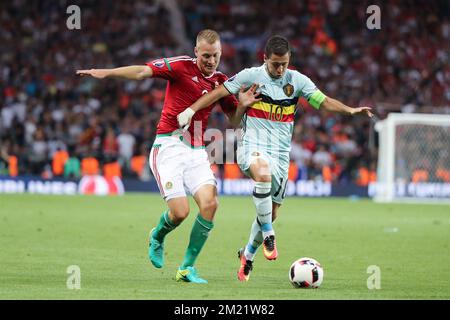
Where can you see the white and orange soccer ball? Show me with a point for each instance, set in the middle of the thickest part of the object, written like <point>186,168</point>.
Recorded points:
<point>306,273</point>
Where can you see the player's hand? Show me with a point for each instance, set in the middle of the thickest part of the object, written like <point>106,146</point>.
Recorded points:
<point>184,118</point>
<point>96,73</point>
<point>249,97</point>
<point>362,110</point>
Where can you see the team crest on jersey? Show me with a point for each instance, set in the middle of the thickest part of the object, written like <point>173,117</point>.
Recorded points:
<point>169,185</point>
<point>288,89</point>
<point>158,63</point>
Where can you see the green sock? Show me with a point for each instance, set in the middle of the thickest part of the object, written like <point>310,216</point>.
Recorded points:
<point>164,226</point>
<point>199,234</point>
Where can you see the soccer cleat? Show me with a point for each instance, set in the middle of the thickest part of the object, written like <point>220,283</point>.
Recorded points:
<point>270,248</point>
<point>189,275</point>
<point>155,251</point>
<point>245,268</point>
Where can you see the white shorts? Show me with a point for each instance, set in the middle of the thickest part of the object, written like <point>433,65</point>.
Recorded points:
<point>179,168</point>
<point>278,164</point>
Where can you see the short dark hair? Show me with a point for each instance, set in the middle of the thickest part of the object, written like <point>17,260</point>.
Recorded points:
<point>278,45</point>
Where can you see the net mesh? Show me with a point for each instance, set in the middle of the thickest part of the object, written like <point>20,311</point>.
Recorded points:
<point>422,153</point>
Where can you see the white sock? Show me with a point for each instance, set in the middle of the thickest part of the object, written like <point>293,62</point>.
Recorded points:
<point>254,241</point>
<point>263,203</point>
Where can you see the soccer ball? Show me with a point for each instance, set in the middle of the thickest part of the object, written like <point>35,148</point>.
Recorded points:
<point>306,273</point>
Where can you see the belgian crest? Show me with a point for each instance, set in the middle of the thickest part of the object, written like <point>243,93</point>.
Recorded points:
<point>288,89</point>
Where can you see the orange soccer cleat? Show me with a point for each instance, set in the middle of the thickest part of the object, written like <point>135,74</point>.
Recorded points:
<point>270,248</point>
<point>245,268</point>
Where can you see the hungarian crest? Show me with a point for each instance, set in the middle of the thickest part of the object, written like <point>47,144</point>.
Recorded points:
<point>288,89</point>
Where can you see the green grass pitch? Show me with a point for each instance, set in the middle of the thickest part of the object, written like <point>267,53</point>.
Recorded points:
<point>40,236</point>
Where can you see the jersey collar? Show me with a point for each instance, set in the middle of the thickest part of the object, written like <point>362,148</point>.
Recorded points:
<point>266,72</point>
<point>201,73</point>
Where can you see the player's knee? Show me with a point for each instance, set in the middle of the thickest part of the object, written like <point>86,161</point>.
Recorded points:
<point>261,171</point>
<point>209,206</point>
<point>180,214</point>
<point>263,178</point>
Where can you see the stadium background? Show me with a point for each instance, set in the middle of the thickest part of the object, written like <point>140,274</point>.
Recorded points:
<point>106,127</point>
<point>45,107</point>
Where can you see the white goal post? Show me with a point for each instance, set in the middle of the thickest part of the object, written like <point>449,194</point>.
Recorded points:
<point>413,158</point>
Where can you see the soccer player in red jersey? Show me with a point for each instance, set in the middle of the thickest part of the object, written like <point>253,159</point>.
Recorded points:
<point>178,159</point>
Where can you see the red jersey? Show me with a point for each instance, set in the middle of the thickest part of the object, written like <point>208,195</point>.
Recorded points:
<point>186,84</point>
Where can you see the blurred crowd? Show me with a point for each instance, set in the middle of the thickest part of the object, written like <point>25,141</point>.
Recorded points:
<point>54,123</point>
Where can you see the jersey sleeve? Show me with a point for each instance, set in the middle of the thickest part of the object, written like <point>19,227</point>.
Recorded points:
<point>228,104</point>
<point>309,90</point>
<point>233,84</point>
<point>168,68</point>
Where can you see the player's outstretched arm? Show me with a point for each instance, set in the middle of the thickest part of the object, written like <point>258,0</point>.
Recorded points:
<point>334,105</point>
<point>246,99</point>
<point>130,72</point>
<point>184,118</point>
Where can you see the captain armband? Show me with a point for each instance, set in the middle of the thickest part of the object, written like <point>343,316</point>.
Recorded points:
<point>316,99</point>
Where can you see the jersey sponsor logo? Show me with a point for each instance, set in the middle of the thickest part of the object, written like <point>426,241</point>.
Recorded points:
<point>195,79</point>
<point>288,89</point>
<point>158,63</point>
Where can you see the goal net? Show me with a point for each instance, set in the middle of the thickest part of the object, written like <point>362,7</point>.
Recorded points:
<point>413,158</point>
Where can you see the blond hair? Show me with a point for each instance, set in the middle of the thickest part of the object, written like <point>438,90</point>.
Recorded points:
<point>210,36</point>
